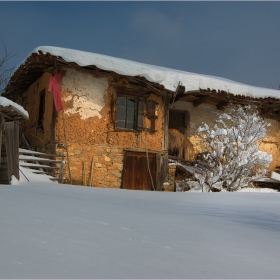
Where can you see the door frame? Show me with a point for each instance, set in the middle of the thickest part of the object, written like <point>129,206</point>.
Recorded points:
<point>161,166</point>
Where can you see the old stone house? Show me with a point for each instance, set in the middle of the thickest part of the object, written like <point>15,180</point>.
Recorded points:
<point>112,128</point>
<point>116,120</point>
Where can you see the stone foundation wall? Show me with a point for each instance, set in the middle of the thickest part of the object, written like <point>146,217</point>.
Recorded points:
<point>170,187</point>
<point>106,170</point>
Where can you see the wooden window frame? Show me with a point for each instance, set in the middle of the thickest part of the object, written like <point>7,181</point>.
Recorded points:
<point>142,110</point>
<point>125,108</point>
<point>151,114</point>
<point>186,118</point>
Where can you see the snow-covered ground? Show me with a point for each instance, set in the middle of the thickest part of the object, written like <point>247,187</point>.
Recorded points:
<point>61,231</point>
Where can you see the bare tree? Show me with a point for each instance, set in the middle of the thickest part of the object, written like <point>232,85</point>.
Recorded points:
<point>5,69</point>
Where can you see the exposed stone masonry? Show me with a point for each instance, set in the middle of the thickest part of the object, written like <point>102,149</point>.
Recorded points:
<point>170,187</point>
<point>107,165</point>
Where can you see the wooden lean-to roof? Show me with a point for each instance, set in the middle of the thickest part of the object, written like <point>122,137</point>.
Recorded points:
<point>11,113</point>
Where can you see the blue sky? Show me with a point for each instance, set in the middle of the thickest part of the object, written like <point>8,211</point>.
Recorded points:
<point>234,40</point>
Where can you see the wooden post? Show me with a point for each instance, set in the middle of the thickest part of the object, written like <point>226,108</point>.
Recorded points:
<point>165,142</point>
<point>66,147</point>
<point>1,132</point>
<point>61,169</point>
<point>84,173</point>
<point>85,176</point>
<point>12,144</point>
<point>91,170</point>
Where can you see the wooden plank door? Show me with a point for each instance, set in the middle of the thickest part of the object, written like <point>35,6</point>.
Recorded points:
<point>136,173</point>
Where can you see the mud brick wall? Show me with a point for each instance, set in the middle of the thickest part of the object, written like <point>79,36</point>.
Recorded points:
<point>208,114</point>
<point>87,124</point>
<point>39,138</point>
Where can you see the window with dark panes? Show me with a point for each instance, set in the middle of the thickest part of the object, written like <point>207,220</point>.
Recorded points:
<point>126,112</point>
<point>131,112</point>
<point>179,119</point>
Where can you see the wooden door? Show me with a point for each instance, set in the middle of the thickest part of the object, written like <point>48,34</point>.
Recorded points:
<point>136,173</point>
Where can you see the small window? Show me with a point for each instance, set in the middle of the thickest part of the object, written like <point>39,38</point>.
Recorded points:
<point>126,112</point>
<point>131,112</point>
<point>179,119</point>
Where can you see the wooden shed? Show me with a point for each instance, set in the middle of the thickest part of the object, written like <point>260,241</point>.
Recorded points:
<point>10,116</point>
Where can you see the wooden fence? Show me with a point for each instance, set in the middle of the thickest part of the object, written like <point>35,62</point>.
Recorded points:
<point>41,163</point>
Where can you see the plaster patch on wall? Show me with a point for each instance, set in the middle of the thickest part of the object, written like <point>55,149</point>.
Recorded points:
<point>85,108</point>
<point>87,93</point>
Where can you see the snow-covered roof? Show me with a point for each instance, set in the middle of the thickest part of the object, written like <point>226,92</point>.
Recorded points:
<point>16,108</point>
<point>169,78</point>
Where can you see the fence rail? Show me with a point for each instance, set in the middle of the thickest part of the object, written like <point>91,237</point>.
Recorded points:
<point>42,163</point>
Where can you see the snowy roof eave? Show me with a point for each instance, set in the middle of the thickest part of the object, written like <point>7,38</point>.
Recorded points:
<point>169,78</point>
<point>12,110</point>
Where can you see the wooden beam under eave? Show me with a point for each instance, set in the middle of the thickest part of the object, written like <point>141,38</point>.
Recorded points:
<point>139,89</point>
<point>272,116</point>
<point>177,98</point>
<point>6,116</point>
<point>201,100</point>
<point>181,89</point>
<point>221,105</point>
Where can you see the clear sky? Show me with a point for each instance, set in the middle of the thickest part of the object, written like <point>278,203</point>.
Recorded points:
<point>234,40</point>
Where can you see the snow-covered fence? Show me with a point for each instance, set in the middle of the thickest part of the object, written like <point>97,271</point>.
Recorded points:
<point>43,163</point>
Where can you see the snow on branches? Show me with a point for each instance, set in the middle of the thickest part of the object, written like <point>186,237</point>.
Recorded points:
<point>232,158</point>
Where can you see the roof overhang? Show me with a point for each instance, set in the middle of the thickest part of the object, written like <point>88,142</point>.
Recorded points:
<point>269,106</point>
<point>40,62</point>
<point>11,113</point>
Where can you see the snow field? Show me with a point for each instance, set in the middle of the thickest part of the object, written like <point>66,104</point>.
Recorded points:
<point>62,231</point>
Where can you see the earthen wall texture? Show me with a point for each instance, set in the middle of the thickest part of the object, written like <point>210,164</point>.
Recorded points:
<point>30,100</point>
<point>208,114</point>
<point>87,127</point>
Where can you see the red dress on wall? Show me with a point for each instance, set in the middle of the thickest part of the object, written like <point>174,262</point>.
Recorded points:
<point>55,86</point>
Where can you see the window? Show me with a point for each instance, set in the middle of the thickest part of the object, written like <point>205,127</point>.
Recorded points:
<point>131,112</point>
<point>126,112</point>
<point>179,119</point>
